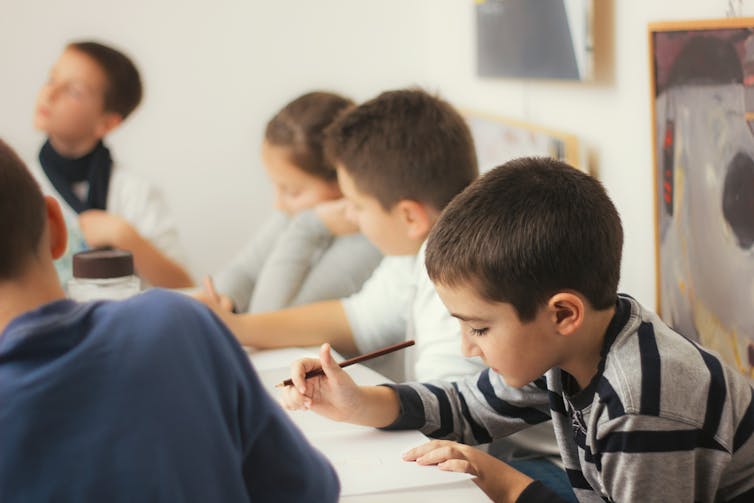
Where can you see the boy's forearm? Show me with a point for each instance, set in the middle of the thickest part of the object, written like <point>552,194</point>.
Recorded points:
<point>154,266</point>
<point>308,325</point>
<point>379,407</point>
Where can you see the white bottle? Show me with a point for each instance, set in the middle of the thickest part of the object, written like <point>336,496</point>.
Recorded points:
<point>103,274</point>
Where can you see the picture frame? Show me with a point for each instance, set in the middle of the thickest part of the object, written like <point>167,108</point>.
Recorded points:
<point>702,107</point>
<point>499,139</point>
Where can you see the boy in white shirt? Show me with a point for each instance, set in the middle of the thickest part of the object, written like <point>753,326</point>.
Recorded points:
<point>401,157</point>
<point>92,89</point>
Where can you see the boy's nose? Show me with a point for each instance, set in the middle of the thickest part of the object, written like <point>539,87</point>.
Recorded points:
<point>51,92</point>
<point>468,347</point>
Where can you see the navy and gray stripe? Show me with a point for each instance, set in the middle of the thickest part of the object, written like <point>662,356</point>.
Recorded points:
<point>658,404</point>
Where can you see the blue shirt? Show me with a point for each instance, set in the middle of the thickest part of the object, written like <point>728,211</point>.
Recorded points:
<point>149,399</point>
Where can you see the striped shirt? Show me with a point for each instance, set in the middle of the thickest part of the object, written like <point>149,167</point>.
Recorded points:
<point>662,420</point>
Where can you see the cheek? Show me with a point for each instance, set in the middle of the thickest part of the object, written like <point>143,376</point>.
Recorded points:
<point>366,226</point>
<point>43,95</point>
<point>74,114</point>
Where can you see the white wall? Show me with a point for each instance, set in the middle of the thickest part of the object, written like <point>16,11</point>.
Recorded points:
<point>612,115</point>
<point>216,71</point>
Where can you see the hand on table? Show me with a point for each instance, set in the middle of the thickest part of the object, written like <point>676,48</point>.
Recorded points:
<point>212,298</point>
<point>497,479</point>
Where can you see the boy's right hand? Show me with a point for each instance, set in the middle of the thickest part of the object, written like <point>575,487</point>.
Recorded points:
<point>334,395</point>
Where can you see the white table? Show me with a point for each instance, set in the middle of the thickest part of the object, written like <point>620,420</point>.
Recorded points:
<point>273,365</point>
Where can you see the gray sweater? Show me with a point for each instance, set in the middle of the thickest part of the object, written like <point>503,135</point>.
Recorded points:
<point>294,261</point>
<point>663,419</point>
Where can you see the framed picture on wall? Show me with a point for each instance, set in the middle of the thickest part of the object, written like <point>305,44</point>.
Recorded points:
<point>702,88</point>
<point>500,139</point>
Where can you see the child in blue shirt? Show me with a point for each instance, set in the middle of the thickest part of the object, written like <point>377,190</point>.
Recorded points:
<point>149,399</point>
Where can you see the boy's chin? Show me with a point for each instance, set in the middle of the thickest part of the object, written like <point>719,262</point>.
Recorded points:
<point>512,381</point>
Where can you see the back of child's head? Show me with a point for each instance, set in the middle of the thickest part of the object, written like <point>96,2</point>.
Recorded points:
<point>124,90</point>
<point>527,230</point>
<point>299,127</point>
<point>405,144</point>
<point>22,214</point>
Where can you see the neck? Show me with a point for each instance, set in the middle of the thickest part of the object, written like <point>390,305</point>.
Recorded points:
<point>73,149</point>
<point>38,286</point>
<point>585,352</point>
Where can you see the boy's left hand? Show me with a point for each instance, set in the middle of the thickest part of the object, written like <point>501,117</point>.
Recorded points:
<point>101,228</point>
<point>497,479</point>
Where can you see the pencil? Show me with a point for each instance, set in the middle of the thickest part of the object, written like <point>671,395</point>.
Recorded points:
<point>351,361</point>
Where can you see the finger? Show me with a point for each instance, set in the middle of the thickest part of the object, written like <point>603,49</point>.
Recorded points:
<point>458,465</point>
<point>226,303</point>
<point>437,456</point>
<point>291,399</point>
<point>299,370</point>
<point>329,365</point>
<point>209,287</point>
<point>417,452</point>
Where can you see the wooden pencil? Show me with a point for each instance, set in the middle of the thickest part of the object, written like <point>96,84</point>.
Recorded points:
<point>351,361</point>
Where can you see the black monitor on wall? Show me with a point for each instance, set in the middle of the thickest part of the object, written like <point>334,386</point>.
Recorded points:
<point>538,39</point>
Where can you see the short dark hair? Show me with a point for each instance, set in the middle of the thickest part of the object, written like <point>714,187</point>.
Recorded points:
<point>124,90</point>
<point>527,230</point>
<point>405,144</point>
<point>300,127</point>
<point>22,214</point>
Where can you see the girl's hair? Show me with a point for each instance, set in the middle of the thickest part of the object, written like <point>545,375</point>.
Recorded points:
<point>300,126</point>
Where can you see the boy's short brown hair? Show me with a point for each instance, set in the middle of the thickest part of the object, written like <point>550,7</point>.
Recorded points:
<point>405,144</point>
<point>124,90</point>
<point>300,127</point>
<point>22,214</point>
<point>527,230</point>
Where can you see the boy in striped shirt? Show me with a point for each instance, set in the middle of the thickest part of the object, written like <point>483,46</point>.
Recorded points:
<point>528,259</point>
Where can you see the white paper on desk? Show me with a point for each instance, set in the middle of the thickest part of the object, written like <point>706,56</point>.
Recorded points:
<point>376,464</point>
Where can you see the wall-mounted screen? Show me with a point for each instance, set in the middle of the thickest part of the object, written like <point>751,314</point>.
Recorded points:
<point>539,39</point>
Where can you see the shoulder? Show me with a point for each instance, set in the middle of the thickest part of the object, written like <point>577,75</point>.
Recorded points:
<point>396,265</point>
<point>651,370</point>
<point>126,182</point>
<point>162,314</point>
<point>392,277</point>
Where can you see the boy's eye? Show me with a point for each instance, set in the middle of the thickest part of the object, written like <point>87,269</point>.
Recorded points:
<point>478,331</point>
<point>75,91</point>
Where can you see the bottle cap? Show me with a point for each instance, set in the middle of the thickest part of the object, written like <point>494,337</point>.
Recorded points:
<point>103,264</point>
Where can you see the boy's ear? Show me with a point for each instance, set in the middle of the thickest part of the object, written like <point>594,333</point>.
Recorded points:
<point>567,312</point>
<point>56,229</point>
<point>416,217</point>
<point>108,122</point>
